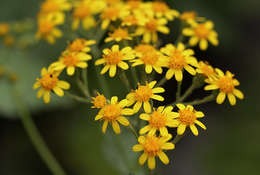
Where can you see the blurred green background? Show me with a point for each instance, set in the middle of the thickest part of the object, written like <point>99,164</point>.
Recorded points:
<point>231,144</point>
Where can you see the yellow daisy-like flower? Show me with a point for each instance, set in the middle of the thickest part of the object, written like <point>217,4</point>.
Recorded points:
<point>150,29</point>
<point>187,116</point>
<point>50,82</point>
<point>4,29</point>
<point>99,101</point>
<point>188,15</point>
<point>118,35</point>
<point>201,33</point>
<point>80,45</point>
<point>161,9</point>
<point>142,96</point>
<point>153,146</point>
<point>158,120</point>
<point>178,59</point>
<point>70,61</point>
<point>113,113</point>
<point>207,70</point>
<point>114,57</point>
<point>226,85</point>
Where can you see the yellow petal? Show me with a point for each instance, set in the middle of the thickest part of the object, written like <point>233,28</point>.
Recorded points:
<point>200,124</point>
<point>100,61</point>
<point>138,147</point>
<point>147,107</point>
<point>221,97</point>
<point>40,93</point>
<point>144,130</point>
<point>180,106</point>
<point>105,69</point>
<point>169,74</point>
<point>193,41</point>
<point>112,71</point>
<point>203,44</point>
<point>115,48</point>
<point>104,127</point>
<point>151,163</point>
<point>145,116</point>
<point>211,87</point>
<point>163,131</point>
<point>46,97</point>
<point>238,93</point>
<point>148,69</point>
<point>158,90</point>
<point>114,100</point>
<point>142,158</point>
<point>123,121</point>
<point>127,111</point>
<point>98,117</point>
<point>178,75</point>
<point>152,84</point>
<point>232,99</point>
<point>137,106</point>
<point>63,84</point>
<point>58,91</point>
<point>187,32</point>
<point>70,70</point>
<point>168,146</point>
<point>199,114</point>
<point>194,130</point>
<point>157,97</point>
<point>190,69</point>
<point>116,127</point>
<point>163,157</point>
<point>181,129</point>
<point>123,65</point>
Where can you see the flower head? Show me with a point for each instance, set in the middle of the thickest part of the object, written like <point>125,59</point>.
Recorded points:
<point>161,9</point>
<point>179,58</point>
<point>49,82</point>
<point>99,101</point>
<point>80,45</point>
<point>158,120</point>
<point>118,35</point>
<point>226,85</point>
<point>113,113</point>
<point>142,96</point>
<point>153,146</point>
<point>201,33</point>
<point>4,28</point>
<point>187,116</point>
<point>114,57</point>
<point>207,70</point>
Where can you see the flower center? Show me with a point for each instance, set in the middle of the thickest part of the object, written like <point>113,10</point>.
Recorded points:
<point>152,145</point>
<point>112,112</point>
<point>119,33</point>
<point>226,84</point>
<point>45,27</point>
<point>143,93</point>
<point>202,31</point>
<point>151,25</point>
<point>99,101</point>
<point>177,60</point>
<point>157,119</point>
<point>187,116</point>
<point>160,7</point>
<point>49,6</point>
<point>110,13</point>
<point>81,12</point>
<point>150,58</point>
<point>48,81</point>
<point>70,60</point>
<point>77,45</point>
<point>113,57</point>
<point>188,15</point>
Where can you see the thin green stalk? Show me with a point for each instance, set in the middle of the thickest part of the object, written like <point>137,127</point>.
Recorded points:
<point>177,138</point>
<point>204,100</point>
<point>84,75</point>
<point>78,98</point>
<point>133,130</point>
<point>161,82</point>
<point>125,80</point>
<point>35,136</point>
<point>134,75</point>
<point>178,93</point>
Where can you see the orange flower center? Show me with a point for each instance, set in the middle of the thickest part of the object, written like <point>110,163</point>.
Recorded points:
<point>70,60</point>
<point>4,28</point>
<point>202,31</point>
<point>77,45</point>
<point>151,25</point>
<point>81,12</point>
<point>207,70</point>
<point>120,33</point>
<point>49,6</point>
<point>112,112</point>
<point>226,84</point>
<point>113,58</point>
<point>99,101</point>
<point>48,81</point>
<point>177,60</point>
<point>110,13</point>
<point>152,146</point>
<point>143,93</point>
<point>134,4</point>
<point>187,117</point>
<point>45,27</point>
<point>150,58</point>
<point>157,119</point>
<point>188,15</point>
<point>144,48</point>
<point>160,7</point>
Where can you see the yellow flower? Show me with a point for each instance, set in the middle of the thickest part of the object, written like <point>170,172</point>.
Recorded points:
<point>226,85</point>
<point>70,61</point>
<point>118,35</point>
<point>136,19</point>
<point>99,101</point>
<point>80,45</point>
<point>4,29</point>
<point>142,96</point>
<point>178,59</point>
<point>144,48</point>
<point>187,116</point>
<point>161,9</point>
<point>207,70</point>
<point>48,83</point>
<point>9,40</point>
<point>158,120</point>
<point>150,29</point>
<point>201,33</point>
<point>113,113</point>
<point>188,16</point>
<point>114,57</point>
<point>153,146</point>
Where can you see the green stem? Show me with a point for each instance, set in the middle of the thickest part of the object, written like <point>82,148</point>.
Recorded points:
<point>35,136</point>
<point>125,80</point>
<point>161,82</point>
<point>177,138</point>
<point>178,93</point>
<point>135,77</point>
<point>204,100</point>
<point>84,75</point>
<point>133,130</point>
<point>78,98</point>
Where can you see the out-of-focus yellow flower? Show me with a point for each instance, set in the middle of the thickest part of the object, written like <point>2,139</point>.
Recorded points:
<point>112,2</point>
<point>161,9</point>
<point>114,113</point>
<point>153,146</point>
<point>99,101</point>
<point>158,120</point>
<point>118,35</point>
<point>226,85</point>
<point>49,82</point>
<point>187,116</point>
<point>207,70</point>
<point>8,40</point>
<point>144,48</point>
<point>4,28</point>
<point>201,33</point>
<point>114,57</point>
<point>80,45</point>
<point>178,59</point>
<point>143,95</point>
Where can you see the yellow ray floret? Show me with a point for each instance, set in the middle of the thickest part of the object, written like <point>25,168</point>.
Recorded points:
<point>113,58</point>
<point>113,113</point>
<point>49,82</point>
<point>143,95</point>
<point>179,58</point>
<point>226,85</point>
<point>152,147</point>
<point>161,9</point>
<point>158,120</point>
<point>187,117</point>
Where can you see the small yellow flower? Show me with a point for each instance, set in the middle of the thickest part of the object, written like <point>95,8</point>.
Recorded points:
<point>9,40</point>
<point>201,33</point>
<point>153,146</point>
<point>187,116</point>
<point>150,29</point>
<point>80,45</point>
<point>4,29</point>
<point>135,19</point>
<point>114,57</point>
<point>70,61</point>
<point>99,101</point>
<point>226,85</point>
<point>142,96</point>
<point>48,83</point>
<point>188,16</point>
<point>118,35</point>
<point>161,9</point>
<point>158,120</point>
<point>113,113</point>
<point>178,59</point>
<point>207,70</point>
